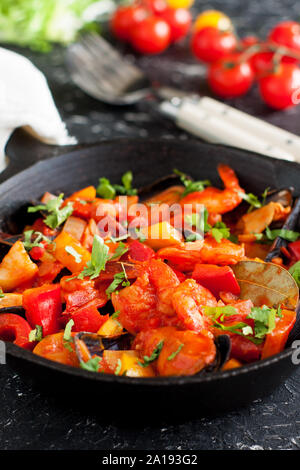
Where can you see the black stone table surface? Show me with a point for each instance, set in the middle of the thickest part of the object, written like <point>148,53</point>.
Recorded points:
<point>31,420</point>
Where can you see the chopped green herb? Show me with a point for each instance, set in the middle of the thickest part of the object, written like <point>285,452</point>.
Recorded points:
<point>191,186</point>
<point>253,200</point>
<point>92,364</point>
<point>1,294</point>
<point>220,231</point>
<point>36,334</point>
<point>67,338</point>
<point>119,278</point>
<point>115,314</point>
<point>148,359</point>
<point>120,251</point>
<point>264,320</point>
<point>73,252</point>
<point>295,272</point>
<point>216,312</point>
<point>174,354</point>
<point>98,260</point>
<point>119,367</point>
<point>288,235</point>
<point>56,216</point>
<point>33,239</point>
<point>107,190</point>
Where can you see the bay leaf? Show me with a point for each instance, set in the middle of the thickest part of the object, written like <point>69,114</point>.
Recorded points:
<point>266,284</point>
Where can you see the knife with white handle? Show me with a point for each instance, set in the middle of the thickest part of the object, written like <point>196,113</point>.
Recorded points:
<point>216,122</point>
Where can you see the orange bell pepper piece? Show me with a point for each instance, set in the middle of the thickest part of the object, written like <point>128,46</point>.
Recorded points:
<point>68,260</point>
<point>16,268</point>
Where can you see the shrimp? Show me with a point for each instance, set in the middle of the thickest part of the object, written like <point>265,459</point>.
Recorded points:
<point>208,251</point>
<point>188,298</point>
<point>223,253</point>
<point>215,200</point>
<point>147,303</point>
<point>258,220</point>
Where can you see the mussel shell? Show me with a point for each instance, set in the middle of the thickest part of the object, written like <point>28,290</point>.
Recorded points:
<point>284,196</point>
<point>18,309</point>
<point>160,185</point>
<point>96,344</point>
<point>223,346</point>
<point>290,224</point>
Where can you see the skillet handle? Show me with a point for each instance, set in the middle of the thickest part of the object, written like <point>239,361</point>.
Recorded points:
<point>23,150</point>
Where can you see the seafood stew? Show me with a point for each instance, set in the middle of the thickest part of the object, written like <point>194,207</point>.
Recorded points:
<point>118,281</point>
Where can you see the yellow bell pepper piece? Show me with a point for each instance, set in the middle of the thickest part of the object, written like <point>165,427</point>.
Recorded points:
<point>161,235</point>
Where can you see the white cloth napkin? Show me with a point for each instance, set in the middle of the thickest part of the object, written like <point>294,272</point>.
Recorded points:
<point>26,101</point>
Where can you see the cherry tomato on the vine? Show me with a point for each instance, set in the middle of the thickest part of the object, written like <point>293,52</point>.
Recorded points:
<point>213,18</point>
<point>180,3</point>
<point>125,18</point>
<point>155,6</point>
<point>278,89</point>
<point>210,44</point>
<point>287,34</point>
<point>230,77</point>
<point>179,21</point>
<point>249,41</point>
<point>151,36</point>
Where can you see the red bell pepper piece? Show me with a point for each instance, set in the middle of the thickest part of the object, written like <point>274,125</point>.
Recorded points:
<point>216,278</point>
<point>82,210</point>
<point>43,307</point>
<point>88,318</point>
<point>15,329</point>
<point>294,249</point>
<point>276,339</point>
<point>140,252</point>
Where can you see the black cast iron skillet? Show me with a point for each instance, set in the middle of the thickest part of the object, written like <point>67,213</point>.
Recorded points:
<point>148,159</point>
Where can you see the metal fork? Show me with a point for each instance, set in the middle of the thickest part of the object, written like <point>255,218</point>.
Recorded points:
<point>100,70</point>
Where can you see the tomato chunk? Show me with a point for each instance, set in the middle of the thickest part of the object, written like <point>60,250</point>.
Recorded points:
<point>53,347</point>
<point>15,329</point>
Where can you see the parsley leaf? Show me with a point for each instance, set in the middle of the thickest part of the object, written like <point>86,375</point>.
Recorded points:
<point>67,338</point>
<point>119,278</point>
<point>216,312</point>
<point>264,320</point>
<point>220,231</point>
<point>119,367</point>
<point>33,239</point>
<point>115,314</point>
<point>174,354</point>
<point>56,216</point>
<point>98,259</point>
<point>253,200</point>
<point>148,359</point>
<point>107,190</point>
<point>36,334</point>
<point>191,186</point>
<point>120,251</point>
<point>295,272</point>
<point>1,294</point>
<point>92,364</point>
<point>288,235</point>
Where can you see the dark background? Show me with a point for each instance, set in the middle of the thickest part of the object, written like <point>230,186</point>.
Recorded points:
<point>29,419</point>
